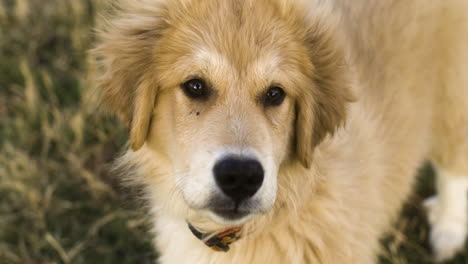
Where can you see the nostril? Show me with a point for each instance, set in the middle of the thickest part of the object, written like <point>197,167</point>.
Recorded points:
<point>238,178</point>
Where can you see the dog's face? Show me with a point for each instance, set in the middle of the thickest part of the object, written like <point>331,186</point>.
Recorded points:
<point>227,92</point>
<point>228,123</point>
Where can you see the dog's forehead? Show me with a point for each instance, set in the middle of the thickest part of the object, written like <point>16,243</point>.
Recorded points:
<point>241,31</point>
<point>219,63</point>
<point>232,39</point>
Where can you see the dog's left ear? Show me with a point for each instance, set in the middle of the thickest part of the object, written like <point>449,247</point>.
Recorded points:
<point>323,106</point>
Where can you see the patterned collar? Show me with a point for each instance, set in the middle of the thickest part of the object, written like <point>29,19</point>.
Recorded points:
<point>218,241</point>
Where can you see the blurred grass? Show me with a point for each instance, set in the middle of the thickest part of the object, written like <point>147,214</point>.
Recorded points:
<point>57,203</point>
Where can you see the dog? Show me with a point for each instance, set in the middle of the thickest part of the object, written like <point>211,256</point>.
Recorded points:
<point>288,131</point>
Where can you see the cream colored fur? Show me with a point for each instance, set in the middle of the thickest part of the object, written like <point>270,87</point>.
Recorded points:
<point>374,88</point>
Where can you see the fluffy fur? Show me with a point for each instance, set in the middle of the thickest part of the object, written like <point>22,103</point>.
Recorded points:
<point>374,88</point>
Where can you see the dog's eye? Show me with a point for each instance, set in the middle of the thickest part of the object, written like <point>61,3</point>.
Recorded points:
<point>196,89</point>
<point>274,96</point>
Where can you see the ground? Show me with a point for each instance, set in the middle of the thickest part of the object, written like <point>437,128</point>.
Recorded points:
<point>58,203</point>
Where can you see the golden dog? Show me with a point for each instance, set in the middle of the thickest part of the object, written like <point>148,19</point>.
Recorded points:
<point>297,125</point>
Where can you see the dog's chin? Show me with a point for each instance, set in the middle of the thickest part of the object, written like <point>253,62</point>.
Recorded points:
<point>229,217</point>
<point>220,212</point>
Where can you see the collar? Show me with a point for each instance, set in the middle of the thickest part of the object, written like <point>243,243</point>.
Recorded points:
<point>218,241</point>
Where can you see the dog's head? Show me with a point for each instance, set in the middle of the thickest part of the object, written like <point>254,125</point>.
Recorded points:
<point>225,92</point>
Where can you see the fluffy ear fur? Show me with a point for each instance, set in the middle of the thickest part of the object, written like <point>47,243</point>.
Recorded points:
<point>124,54</point>
<point>322,109</point>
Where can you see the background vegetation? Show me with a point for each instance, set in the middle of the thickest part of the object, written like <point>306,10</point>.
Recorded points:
<point>58,204</point>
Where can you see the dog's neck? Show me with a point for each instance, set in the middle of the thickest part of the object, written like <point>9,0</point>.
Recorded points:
<point>218,241</point>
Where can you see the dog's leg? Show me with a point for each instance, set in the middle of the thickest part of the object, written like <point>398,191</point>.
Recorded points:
<point>448,214</point>
<point>448,211</point>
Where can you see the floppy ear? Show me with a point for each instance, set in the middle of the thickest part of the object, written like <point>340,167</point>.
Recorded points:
<point>322,108</point>
<point>143,105</point>
<point>125,81</point>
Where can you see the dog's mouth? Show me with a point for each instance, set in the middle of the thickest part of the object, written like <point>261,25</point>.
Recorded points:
<point>228,211</point>
<point>230,214</point>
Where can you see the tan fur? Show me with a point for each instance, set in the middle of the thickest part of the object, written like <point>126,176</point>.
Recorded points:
<point>373,89</point>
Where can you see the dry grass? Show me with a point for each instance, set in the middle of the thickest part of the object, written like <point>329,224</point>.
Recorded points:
<point>57,204</point>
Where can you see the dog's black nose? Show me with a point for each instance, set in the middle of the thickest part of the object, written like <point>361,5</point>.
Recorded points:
<point>238,178</point>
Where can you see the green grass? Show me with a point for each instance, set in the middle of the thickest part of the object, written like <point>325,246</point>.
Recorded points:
<point>58,204</point>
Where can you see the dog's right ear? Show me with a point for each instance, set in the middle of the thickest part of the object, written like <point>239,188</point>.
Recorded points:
<point>125,69</point>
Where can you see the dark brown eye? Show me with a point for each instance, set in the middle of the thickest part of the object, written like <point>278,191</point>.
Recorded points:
<point>274,96</point>
<point>196,89</point>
